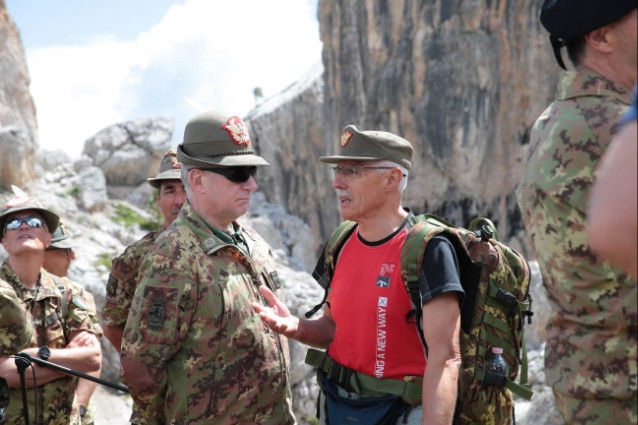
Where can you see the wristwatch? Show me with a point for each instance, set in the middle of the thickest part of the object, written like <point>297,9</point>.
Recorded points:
<point>82,410</point>
<point>44,353</point>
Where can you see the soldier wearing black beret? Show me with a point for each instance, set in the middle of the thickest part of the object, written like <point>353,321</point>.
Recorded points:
<point>590,353</point>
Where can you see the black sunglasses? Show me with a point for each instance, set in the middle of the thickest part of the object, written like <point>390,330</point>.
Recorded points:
<point>234,174</point>
<point>15,223</point>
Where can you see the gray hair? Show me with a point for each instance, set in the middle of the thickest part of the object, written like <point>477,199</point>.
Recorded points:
<point>404,181</point>
<point>184,178</point>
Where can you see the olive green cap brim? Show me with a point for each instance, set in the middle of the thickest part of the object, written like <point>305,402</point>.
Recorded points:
<point>50,218</point>
<point>228,159</point>
<point>359,145</point>
<point>156,181</point>
<point>63,244</point>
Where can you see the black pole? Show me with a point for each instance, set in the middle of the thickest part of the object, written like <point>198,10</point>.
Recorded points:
<point>22,363</point>
<point>70,371</point>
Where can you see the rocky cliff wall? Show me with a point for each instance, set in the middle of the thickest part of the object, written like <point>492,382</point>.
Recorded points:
<point>18,139</point>
<point>463,80</point>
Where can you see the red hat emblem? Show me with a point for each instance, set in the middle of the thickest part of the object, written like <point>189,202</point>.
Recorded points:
<point>345,138</point>
<point>237,130</point>
<point>175,163</point>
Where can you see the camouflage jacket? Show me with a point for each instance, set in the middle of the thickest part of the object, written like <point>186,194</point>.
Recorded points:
<point>211,358</point>
<point>591,336</point>
<point>123,280</point>
<point>52,329</point>
<point>16,328</point>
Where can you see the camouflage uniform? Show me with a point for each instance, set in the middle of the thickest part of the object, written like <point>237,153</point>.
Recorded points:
<point>192,325</point>
<point>56,398</point>
<point>590,356</point>
<point>88,300</point>
<point>123,281</point>
<point>16,333</point>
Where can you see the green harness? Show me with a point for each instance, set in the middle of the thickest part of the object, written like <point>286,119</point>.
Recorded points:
<point>496,281</point>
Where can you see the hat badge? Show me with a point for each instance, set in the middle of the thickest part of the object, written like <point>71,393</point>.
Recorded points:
<point>345,138</point>
<point>18,200</point>
<point>174,162</point>
<point>237,130</point>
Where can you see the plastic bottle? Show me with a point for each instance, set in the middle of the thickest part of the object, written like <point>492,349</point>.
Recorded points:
<point>496,362</point>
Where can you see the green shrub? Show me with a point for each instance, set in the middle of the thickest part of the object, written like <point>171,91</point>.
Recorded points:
<point>128,217</point>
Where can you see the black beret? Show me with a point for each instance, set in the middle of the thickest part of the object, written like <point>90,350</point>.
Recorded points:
<point>569,19</point>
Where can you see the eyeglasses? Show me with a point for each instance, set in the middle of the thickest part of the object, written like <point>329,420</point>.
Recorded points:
<point>348,171</point>
<point>17,222</point>
<point>234,174</point>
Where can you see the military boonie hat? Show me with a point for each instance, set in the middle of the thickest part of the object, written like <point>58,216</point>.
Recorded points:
<point>60,239</point>
<point>22,203</point>
<point>212,139</point>
<point>569,19</point>
<point>372,146</point>
<point>170,169</point>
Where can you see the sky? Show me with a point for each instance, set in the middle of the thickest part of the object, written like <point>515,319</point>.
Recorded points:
<point>97,63</point>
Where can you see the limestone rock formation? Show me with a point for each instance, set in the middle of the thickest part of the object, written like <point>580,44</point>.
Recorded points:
<point>130,152</point>
<point>18,139</point>
<point>463,80</point>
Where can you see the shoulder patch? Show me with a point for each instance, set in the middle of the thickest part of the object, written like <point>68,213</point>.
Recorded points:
<point>111,285</point>
<point>275,279</point>
<point>157,314</point>
<point>78,300</point>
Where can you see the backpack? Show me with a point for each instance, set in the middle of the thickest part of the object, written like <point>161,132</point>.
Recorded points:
<point>496,281</point>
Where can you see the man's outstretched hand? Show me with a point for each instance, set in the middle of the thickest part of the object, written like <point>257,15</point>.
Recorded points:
<point>276,315</point>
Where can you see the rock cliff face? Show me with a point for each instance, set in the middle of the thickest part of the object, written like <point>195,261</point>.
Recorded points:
<point>463,80</point>
<point>18,141</point>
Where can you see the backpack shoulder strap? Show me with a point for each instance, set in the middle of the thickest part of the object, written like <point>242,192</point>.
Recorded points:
<point>330,254</point>
<point>423,228</point>
<point>335,242</point>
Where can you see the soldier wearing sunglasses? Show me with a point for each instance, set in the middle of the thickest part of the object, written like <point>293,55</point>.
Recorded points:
<point>193,350</point>
<point>63,335</point>
<point>123,278</point>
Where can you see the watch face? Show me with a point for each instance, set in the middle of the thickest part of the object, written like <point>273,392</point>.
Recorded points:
<point>82,410</point>
<point>44,353</point>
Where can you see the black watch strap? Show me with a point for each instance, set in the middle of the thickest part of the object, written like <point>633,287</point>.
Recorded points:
<point>44,353</point>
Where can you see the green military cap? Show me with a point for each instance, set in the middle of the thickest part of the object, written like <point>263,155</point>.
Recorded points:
<point>60,239</point>
<point>569,19</point>
<point>372,146</point>
<point>170,169</point>
<point>213,139</point>
<point>22,203</point>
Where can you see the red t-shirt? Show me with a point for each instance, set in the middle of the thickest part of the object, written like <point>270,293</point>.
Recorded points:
<point>369,304</point>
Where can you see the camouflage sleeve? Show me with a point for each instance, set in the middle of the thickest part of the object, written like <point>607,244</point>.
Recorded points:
<point>85,298</point>
<point>122,281</point>
<point>78,316</point>
<point>120,289</point>
<point>16,328</point>
<point>158,322</point>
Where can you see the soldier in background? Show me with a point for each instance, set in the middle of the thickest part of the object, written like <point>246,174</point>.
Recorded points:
<point>194,351</point>
<point>57,260</point>
<point>590,354</point>
<point>63,331</point>
<point>123,278</point>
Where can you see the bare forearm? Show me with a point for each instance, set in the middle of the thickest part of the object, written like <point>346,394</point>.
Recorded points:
<point>316,333</point>
<point>81,359</point>
<point>439,393</point>
<point>85,389</point>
